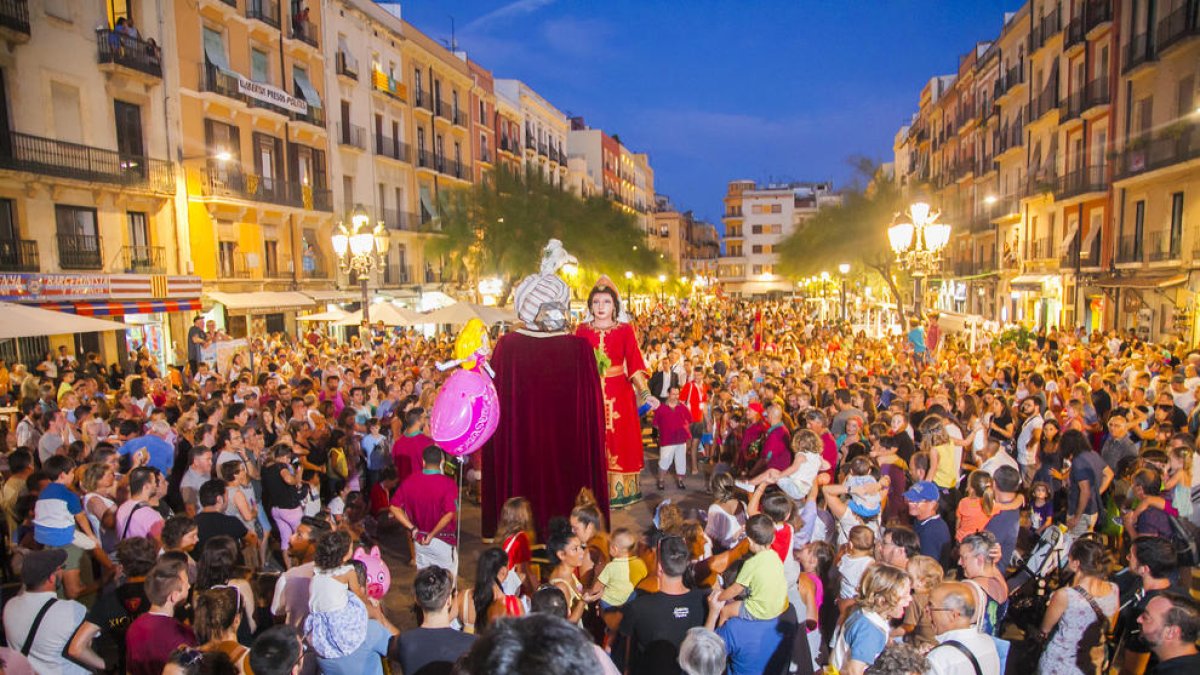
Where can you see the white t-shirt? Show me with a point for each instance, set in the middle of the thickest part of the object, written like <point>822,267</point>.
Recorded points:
<point>53,635</point>
<point>951,661</point>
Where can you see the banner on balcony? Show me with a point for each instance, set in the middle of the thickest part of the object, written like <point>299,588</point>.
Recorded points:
<point>269,94</point>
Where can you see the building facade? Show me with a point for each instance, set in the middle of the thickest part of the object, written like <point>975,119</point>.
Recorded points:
<point>1072,185</point>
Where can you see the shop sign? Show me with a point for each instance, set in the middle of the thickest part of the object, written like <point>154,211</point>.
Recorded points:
<point>53,287</point>
<point>269,94</point>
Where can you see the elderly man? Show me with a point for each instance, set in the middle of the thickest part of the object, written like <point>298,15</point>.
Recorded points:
<point>161,452</point>
<point>1171,626</point>
<point>962,648</point>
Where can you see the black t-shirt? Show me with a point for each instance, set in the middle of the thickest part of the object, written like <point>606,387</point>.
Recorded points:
<point>1130,632</point>
<point>656,624</point>
<point>1002,421</point>
<point>905,447</point>
<point>209,525</point>
<point>113,612</point>
<point>276,492</point>
<point>1180,665</point>
<point>430,651</point>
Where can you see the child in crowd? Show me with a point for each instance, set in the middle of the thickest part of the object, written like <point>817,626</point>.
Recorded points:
<point>864,490</point>
<point>816,560</point>
<point>616,581</point>
<point>762,575</point>
<point>726,515</point>
<point>337,619</point>
<point>516,534</point>
<point>796,481</point>
<point>1041,513</point>
<point>1178,486</point>
<point>857,556</point>
<point>375,449</point>
<point>917,626</point>
<point>975,509</point>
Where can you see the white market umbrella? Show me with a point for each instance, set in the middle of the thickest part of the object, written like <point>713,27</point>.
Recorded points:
<point>461,312</point>
<point>25,321</point>
<point>386,312</point>
<point>331,315</point>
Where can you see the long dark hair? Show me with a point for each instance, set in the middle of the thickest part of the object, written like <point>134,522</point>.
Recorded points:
<point>491,561</point>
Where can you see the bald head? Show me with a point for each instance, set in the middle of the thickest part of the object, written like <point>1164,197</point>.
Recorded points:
<point>774,414</point>
<point>953,606</point>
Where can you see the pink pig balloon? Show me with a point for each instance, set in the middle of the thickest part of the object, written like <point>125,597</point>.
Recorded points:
<point>465,413</point>
<point>379,577</point>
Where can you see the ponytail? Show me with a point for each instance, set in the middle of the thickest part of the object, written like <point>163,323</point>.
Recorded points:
<point>980,482</point>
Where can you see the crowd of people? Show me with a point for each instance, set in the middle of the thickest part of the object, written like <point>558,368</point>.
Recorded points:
<point>896,504</point>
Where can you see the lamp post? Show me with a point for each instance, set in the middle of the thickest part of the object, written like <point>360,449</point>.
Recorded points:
<point>844,269</point>
<point>918,244</point>
<point>361,250</point>
<point>662,288</point>
<point>629,285</point>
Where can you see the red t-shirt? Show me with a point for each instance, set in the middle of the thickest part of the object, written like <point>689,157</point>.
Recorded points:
<point>672,424</point>
<point>518,549</point>
<point>426,497</point>
<point>379,499</point>
<point>783,541</point>
<point>155,637</point>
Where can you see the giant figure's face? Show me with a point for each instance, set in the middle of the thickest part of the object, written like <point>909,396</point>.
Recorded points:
<point>602,307</point>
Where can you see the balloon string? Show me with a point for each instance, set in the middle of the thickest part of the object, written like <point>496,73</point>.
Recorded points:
<point>458,518</point>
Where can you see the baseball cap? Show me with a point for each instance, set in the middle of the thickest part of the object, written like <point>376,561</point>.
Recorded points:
<point>922,491</point>
<point>37,566</point>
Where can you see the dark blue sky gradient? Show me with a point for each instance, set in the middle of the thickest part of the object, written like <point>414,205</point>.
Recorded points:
<point>716,91</point>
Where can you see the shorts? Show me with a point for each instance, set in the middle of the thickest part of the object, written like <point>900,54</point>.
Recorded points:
<point>438,552</point>
<point>797,490</point>
<point>74,555</point>
<point>744,613</point>
<point>697,429</point>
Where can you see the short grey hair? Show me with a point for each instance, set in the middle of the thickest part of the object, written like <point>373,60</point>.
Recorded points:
<point>160,428</point>
<point>702,653</point>
<point>978,544</point>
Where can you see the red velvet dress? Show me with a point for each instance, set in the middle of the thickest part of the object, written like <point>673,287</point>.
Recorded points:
<point>622,428</point>
<point>550,439</point>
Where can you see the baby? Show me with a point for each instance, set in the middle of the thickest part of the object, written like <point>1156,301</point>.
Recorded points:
<point>337,619</point>
<point>797,480</point>
<point>616,581</point>
<point>865,492</point>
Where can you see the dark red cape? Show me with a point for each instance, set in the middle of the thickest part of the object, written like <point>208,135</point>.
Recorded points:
<point>550,440</point>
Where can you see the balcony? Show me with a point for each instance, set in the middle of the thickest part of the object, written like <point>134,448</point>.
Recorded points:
<point>352,136</point>
<point>266,11</point>
<point>1071,106</point>
<point>1098,13</point>
<point>314,267</point>
<point>424,159</point>
<point>304,31</point>
<point>1076,34</point>
<point>542,149</point>
<point>1162,246</point>
<point>392,149</point>
<point>1138,50</point>
<point>460,117</point>
<point>455,169</point>
<point>423,101</point>
<point>50,157</point>
<point>1070,257</point>
<point>485,155</point>
<point>314,115</point>
<point>79,252</point>
<point>1009,81</point>
<point>1081,181</point>
<point>223,183</point>
<point>1177,144</point>
<point>1179,25</point>
<point>509,145</point>
<point>143,259</point>
<point>14,20</point>
<point>1040,249</point>
<point>1096,94</point>
<point>1091,257</point>
<point>530,144</point>
<point>395,275</point>
<point>1046,102</point>
<point>1129,250</point>
<point>19,255</point>
<point>386,84</point>
<point>1042,182</point>
<point>346,65</point>
<point>119,49</point>
<point>1048,27</point>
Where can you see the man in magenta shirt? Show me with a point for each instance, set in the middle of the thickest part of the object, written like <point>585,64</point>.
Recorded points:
<point>426,503</point>
<point>406,451</point>
<point>776,452</point>
<point>672,419</point>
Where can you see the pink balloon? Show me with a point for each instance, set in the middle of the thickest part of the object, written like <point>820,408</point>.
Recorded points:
<point>465,413</point>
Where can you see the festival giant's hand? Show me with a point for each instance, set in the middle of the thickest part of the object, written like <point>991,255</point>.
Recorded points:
<point>654,403</point>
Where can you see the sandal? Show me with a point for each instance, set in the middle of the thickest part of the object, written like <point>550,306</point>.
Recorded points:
<point>661,484</point>
<point>680,484</point>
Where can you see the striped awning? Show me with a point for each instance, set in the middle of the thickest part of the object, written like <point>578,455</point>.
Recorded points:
<point>123,308</point>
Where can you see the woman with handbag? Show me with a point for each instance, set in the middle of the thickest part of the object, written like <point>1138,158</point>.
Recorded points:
<point>1080,616</point>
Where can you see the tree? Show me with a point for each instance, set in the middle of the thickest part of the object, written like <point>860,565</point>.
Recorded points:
<point>855,230</point>
<point>498,228</point>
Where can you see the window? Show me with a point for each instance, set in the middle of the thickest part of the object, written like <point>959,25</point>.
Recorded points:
<point>756,269</point>
<point>756,229</point>
<point>129,128</point>
<point>271,258</point>
<point>348,190</point>
<point>777,208</point>
<point>756,248</point>
<point>226,252</point>
<point>417,83</point>
<point>260,65</point>
<point>68,120</point>
<point>1186,95</point>
<point>421,142</point>
<point>482,110</point>
<point>1139,223</point>
<point>1176,221</point>
<point>117,9</point>
<point>78,239</point>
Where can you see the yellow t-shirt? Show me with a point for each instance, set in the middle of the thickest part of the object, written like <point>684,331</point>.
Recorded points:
<point>763,574</point>
<point>619,577</point>
<point>947,471</point>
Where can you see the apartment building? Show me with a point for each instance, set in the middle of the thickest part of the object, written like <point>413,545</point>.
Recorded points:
<point>544,129</point>
<point>757,218</point>
<point>689,246</point>
<point>251,116</point>
<point>88,176</point>
<point>1084,157</point>
<point>509,155</point>
<point>607,167</point>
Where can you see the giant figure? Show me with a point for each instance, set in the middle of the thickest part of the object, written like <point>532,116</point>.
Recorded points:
<point>550,440</point>
<point>620,361</point>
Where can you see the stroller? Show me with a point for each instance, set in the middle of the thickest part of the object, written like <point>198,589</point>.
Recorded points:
<point>1036,577</point>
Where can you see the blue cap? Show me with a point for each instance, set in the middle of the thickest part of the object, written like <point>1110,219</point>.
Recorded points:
<point>922,491</point>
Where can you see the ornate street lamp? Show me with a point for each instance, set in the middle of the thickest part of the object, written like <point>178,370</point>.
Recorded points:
<point>844,270</point>
<point>361,250</point>
<point>918,244</point>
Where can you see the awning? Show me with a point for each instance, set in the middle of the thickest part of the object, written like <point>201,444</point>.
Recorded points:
<point>427,204</point>
<point>26,321</point>
<point>275,300</point>
<point>1071,232</point>
<point>214,51</point>
<point>1145,282</point>
<point>1031,282</point>
<point>1088,239</point>
<point>334,296</point>
<point>307,90</point>
<point>122,308</point>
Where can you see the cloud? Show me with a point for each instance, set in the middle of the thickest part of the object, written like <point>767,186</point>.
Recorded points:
<point>577,37</point>
<point>509,11</point>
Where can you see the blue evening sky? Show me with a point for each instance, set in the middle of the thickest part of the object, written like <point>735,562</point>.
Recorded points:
<point>716,91</point>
